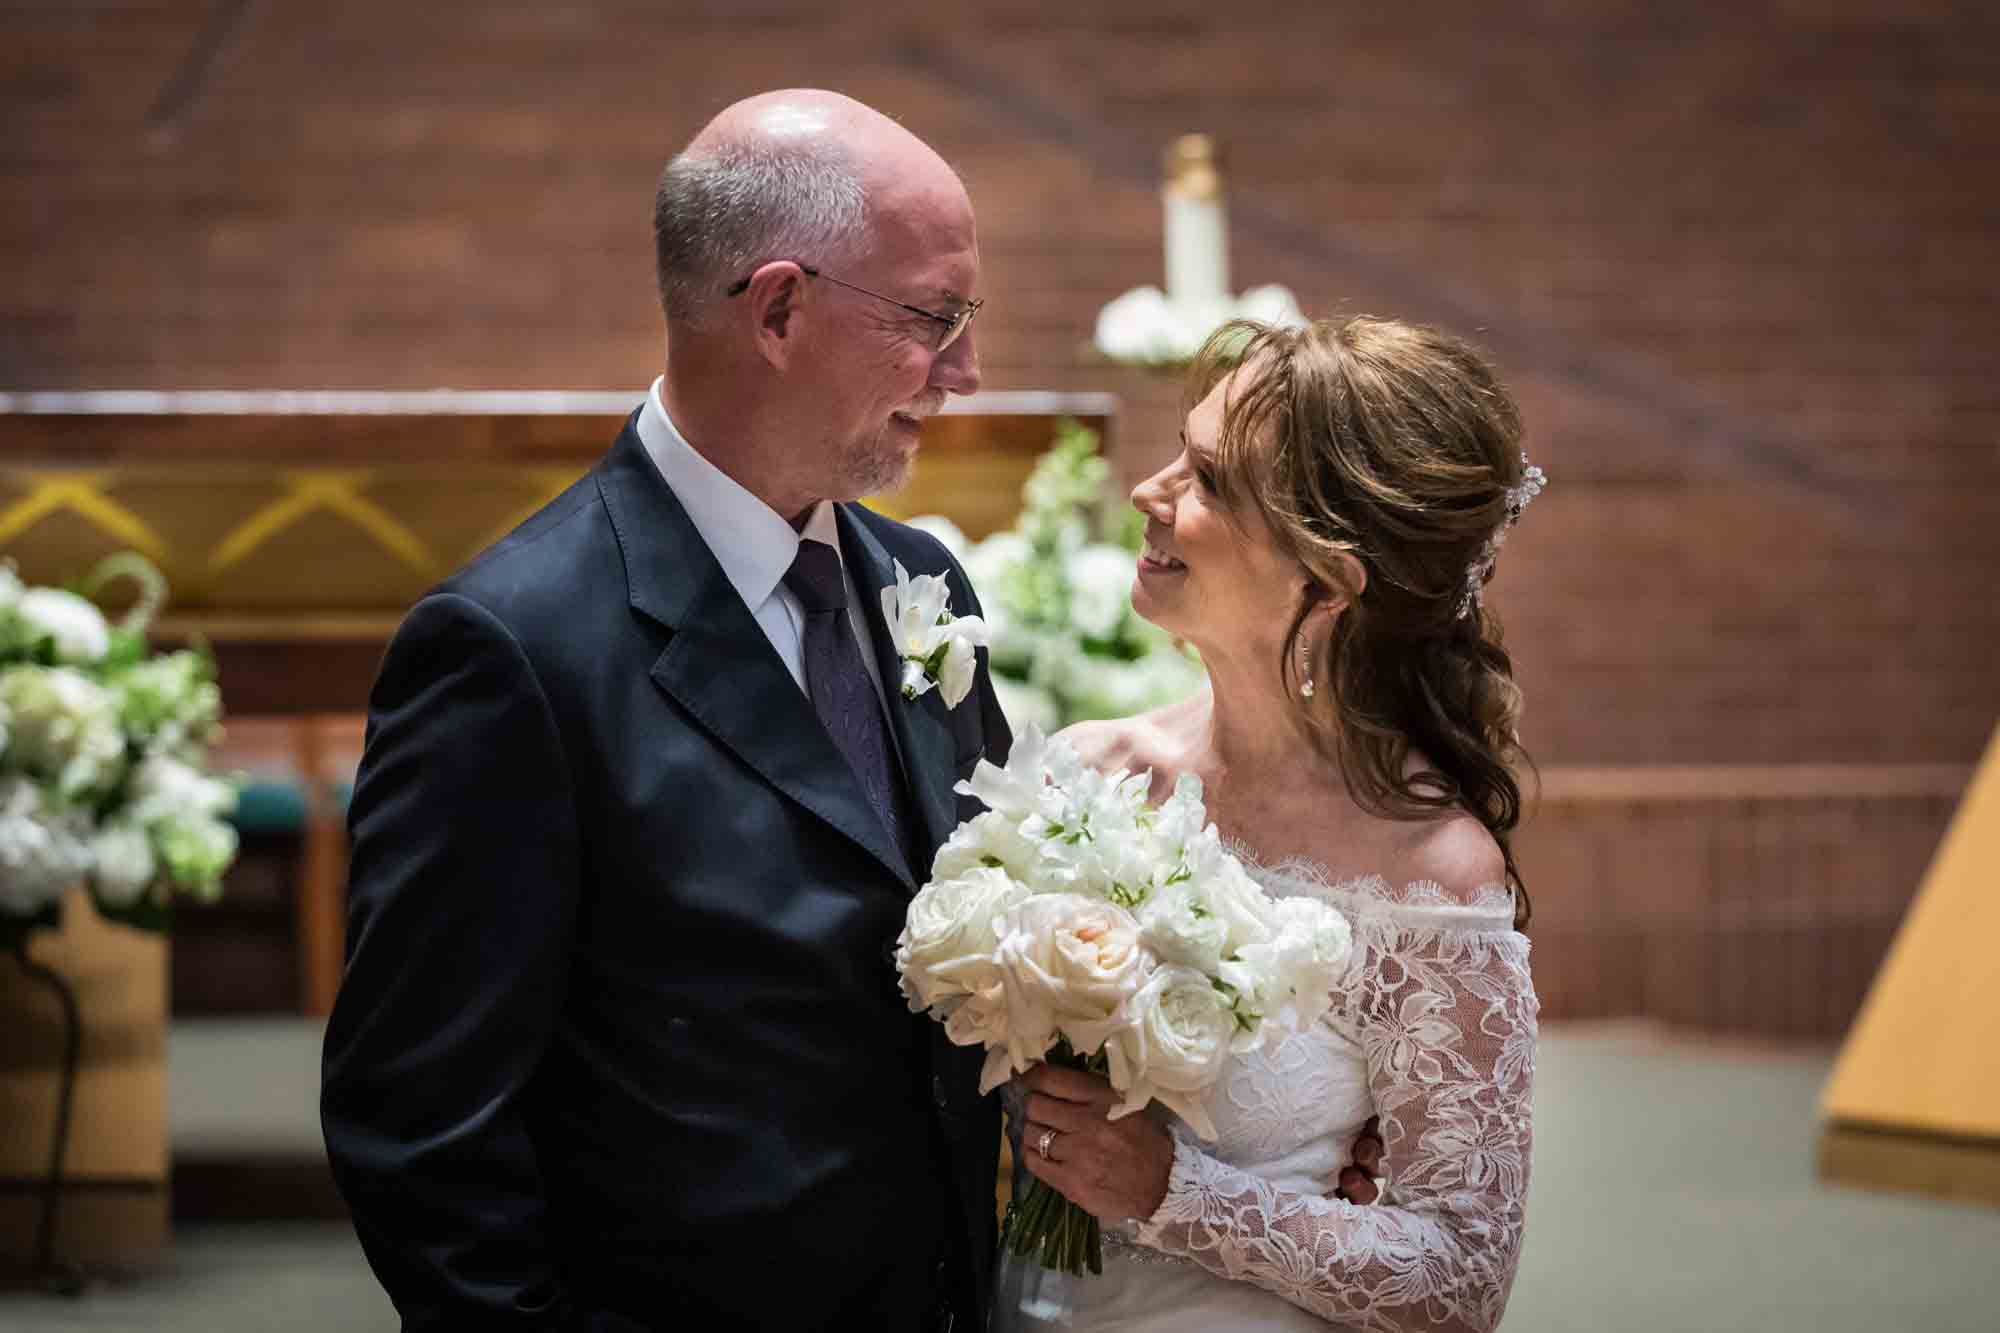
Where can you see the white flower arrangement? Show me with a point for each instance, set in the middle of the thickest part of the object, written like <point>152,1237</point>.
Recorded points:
<point>1072,921</point>
<point>1065,645</point>
<point>1145,327</point>
<point>103,755</point>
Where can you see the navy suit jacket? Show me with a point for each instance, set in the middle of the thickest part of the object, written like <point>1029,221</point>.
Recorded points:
<point>619,1042</point>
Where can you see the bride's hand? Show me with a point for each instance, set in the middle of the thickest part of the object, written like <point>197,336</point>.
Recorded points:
<point>1356,1182</point>
<point>1112,1169</point>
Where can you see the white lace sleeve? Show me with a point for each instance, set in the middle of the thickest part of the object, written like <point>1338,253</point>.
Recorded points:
<point>1442,1001</point>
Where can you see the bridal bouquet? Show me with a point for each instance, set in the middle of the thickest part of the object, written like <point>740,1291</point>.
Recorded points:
<point>103,753</point>
<point>1073,922</point>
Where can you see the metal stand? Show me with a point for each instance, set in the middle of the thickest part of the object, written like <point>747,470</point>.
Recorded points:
<point>46,1273</point>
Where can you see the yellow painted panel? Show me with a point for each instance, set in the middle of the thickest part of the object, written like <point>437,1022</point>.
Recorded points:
<point>1921,1055</point>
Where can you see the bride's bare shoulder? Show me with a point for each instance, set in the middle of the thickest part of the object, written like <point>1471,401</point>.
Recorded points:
<point>1132,743</point>
<point>1107,745</point>
<point>1454,852</point>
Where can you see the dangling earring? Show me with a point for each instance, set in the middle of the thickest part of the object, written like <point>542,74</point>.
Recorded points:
<point>1305,669</point>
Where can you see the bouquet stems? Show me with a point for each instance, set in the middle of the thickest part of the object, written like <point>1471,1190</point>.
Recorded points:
<point>1040,1223</point>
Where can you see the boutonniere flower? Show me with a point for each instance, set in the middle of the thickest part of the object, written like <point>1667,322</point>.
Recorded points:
<point>934,645</point>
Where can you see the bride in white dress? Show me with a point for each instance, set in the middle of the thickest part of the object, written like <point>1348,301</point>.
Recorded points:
<point>1322,539</point>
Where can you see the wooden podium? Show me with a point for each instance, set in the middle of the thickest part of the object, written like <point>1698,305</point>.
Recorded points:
<point>1914,1100</point>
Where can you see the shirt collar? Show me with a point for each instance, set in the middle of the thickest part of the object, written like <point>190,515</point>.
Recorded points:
<point>752,542</point>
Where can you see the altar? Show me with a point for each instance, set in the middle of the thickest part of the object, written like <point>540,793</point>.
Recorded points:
<point>294,530</point>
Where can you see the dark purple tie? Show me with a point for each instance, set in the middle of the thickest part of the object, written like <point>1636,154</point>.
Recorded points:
<point>843,693</point>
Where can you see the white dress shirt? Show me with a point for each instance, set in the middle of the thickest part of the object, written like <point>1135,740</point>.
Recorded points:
<point>753,543</point>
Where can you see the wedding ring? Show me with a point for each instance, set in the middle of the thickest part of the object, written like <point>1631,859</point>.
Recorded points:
<point>1042,1144</point>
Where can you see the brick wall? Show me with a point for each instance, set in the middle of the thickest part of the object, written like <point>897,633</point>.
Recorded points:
<point>1732,899</point>
<point>1736,258</point>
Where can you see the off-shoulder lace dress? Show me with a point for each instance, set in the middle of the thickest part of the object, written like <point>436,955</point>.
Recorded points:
<point>1433,1029</point>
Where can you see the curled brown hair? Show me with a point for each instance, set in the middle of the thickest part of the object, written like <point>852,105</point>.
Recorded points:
<point>1396,445</point>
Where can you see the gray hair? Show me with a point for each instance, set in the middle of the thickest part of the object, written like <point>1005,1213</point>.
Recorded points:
<point>720,212</point>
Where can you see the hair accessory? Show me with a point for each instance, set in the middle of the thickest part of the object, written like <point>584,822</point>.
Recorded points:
<point>1533,479</point>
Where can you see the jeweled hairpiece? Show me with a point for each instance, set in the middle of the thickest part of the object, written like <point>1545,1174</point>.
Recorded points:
<point>1533,479</point>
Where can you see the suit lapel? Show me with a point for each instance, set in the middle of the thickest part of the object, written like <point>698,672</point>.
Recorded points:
<point>719,666</point>
<point>929,753</point>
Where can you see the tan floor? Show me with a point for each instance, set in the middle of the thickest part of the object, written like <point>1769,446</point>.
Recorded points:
<point>1673,1191</point>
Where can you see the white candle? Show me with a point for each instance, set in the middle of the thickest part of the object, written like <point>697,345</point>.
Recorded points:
<point>1196,230</point>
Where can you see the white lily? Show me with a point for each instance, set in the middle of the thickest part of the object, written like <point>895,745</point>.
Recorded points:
<point>935,646</point>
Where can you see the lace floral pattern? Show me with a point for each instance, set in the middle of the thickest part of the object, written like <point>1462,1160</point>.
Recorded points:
<point>1438,1007</point>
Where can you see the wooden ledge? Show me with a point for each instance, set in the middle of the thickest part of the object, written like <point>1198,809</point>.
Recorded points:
<point>1941,1166</point>
<point>1705,783</point>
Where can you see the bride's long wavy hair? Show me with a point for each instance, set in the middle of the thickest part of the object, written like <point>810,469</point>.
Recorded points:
<point>1393,444</point>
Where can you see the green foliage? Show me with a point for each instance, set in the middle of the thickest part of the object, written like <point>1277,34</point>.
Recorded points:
<point>1056,588</point>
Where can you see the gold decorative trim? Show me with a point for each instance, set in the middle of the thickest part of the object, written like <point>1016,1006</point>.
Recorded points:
<point>79,492</point>
<point>337,492</point>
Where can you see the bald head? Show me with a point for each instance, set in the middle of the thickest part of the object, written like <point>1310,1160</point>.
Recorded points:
<point>799,173</point>
<point>798,119</point>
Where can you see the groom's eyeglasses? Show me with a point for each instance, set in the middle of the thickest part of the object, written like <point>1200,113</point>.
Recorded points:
<point>950,326</point>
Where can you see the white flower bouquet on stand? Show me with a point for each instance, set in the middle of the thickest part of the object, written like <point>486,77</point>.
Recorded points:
<point>103,757</point>
<point>1056,587</point>
<point>1073,922</point>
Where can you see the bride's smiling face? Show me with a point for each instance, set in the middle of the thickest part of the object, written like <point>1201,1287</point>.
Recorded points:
<point>1211,574</point>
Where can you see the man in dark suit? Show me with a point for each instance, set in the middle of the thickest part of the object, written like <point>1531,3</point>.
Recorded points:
<point>620,1043</point>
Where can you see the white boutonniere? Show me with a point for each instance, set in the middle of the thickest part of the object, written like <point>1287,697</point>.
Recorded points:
<point>934,646</point>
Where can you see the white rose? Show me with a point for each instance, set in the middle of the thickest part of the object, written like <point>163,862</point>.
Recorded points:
<point>946,948</point>
<point>980,1019</point>
<point>1174,1047</point>
<point>1068,963</point>
<point>11,587</point>
<point>77,628</point>
<point>122,863</point>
